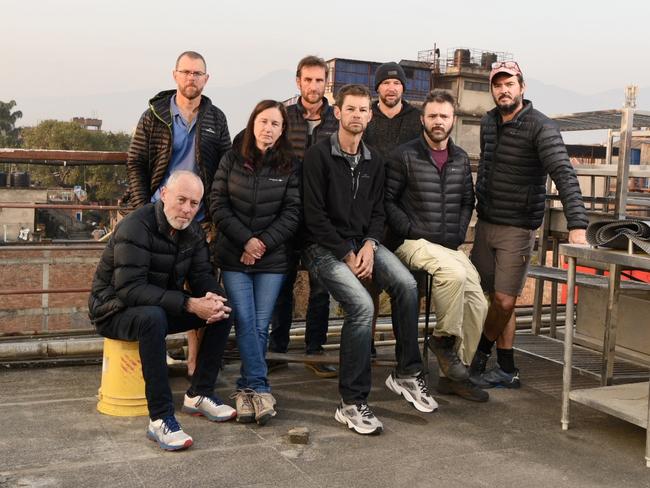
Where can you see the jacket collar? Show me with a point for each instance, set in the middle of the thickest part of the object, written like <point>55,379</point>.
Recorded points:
<point>324,109</point>
<point>178,237</point>
<point>451,148</point>
<point>337,151</point>
<point>161,108</point>
<point>406,108</point>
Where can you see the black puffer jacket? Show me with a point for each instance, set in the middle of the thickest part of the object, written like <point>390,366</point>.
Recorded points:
<point>151,148</point>
<point>385,134</point>
<point>516,156</point>
<point>424,203</point>
<point>144,265</point>
<point>298,127</point>
<point>248,202</point>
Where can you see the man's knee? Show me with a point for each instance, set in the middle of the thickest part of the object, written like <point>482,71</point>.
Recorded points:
<point>361,309</point>
<point>504,303</point>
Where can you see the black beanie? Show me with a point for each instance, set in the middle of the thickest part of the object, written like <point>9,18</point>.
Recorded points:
<point>389,70</point>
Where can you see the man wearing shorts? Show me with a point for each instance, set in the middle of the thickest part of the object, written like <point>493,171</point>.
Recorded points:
<point>520,146</point>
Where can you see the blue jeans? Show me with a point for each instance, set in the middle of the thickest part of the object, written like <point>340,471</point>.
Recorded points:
<point>388,274</point>
<point>252,297</point>
<point>318,309</point>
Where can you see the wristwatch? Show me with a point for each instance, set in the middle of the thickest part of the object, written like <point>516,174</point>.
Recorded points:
<point>373,244</point>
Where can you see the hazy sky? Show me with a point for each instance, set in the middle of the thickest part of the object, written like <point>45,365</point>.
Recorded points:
<point>81,47</point>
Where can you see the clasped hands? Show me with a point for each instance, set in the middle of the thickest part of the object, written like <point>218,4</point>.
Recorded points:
<point>253,250</point>
<point>211,308</point>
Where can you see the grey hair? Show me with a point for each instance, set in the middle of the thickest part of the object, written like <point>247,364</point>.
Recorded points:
<point>176,175</point>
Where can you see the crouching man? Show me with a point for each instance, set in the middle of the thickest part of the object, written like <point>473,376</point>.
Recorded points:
<point>138,295</point>
<point>343,183</point>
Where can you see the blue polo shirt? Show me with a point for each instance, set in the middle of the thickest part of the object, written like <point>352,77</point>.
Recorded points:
<point>183,150</point>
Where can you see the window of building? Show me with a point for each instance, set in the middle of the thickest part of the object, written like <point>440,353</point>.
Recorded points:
<point>477,86</point>
<point>444,84</point>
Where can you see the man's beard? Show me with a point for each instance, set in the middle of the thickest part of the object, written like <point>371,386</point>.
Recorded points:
<point>509,108</point>
<point>390,103</point>
<point>191,92</point>
<point>438,136</point>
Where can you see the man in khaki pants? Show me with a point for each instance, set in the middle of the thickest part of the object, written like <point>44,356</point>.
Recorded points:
<point>429,202</point>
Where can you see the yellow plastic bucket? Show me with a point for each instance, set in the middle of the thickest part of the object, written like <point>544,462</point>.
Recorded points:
<point>122,389</point>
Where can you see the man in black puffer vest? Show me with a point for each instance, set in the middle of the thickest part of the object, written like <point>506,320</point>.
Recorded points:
<point>429,202</point>
<point>310,120</point>
<point>519,147</point>
<point>138,294</point>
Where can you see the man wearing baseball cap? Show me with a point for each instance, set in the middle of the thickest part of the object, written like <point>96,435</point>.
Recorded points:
<point>520,146</point>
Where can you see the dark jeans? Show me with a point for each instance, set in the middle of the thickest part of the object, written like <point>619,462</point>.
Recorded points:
<point>318,309</point>
<point>388,274</point>
<point>150,325</point>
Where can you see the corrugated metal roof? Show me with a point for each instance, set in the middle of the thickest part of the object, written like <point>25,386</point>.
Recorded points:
<point>600,119</point>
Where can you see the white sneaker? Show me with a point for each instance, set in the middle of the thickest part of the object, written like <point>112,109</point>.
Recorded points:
<point>210,407</point>
<point>168,434</point>
<point>359,418</point>
<point>414,390</point>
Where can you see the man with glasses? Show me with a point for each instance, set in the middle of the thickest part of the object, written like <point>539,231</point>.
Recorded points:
<point>519,147</point>
<point>181,130</point>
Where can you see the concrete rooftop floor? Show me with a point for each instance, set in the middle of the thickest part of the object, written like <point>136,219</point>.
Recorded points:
<point>51,435</point>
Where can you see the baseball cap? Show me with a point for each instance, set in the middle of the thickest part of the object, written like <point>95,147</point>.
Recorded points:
<point>510,67</point>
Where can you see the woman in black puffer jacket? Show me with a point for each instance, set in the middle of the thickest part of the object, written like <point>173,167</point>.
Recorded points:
<point>255,204</point>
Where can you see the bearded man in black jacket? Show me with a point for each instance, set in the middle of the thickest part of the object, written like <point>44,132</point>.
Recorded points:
<point>520,146</point>
<point>138,294</point>
<point>429,203</point>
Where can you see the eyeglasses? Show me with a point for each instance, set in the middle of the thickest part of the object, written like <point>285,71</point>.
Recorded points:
<point>506,64</point>
<point>193,74</point>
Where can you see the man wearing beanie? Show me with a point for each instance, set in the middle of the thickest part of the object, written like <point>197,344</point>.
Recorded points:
<point>394,120</point>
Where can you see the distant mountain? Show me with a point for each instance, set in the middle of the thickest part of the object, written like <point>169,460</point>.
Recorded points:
<point>120,111</point>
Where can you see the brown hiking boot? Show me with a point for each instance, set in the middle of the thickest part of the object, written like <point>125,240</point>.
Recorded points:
<point>244,405</point>
<point>444,347</point>
<point>264,405</point>
<point>464,389</point>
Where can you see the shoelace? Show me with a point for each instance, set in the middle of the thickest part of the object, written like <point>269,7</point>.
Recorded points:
<point>246,394</point>
<point>422,384</point>
<point>171,424</point>
<point>364,410</point>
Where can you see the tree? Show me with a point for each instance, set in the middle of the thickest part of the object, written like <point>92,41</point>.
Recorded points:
<point>9,134</point>
<point>101,182</point>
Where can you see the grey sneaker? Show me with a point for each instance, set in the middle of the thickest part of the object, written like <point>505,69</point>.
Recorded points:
<point>414,390</point>
<point>168,434</point>
<point>448,361</point>
<point>244,405</point>
<point>210,407</point>
<point>498,378</point>
<point>359,418</point>
<point>264,405</point>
